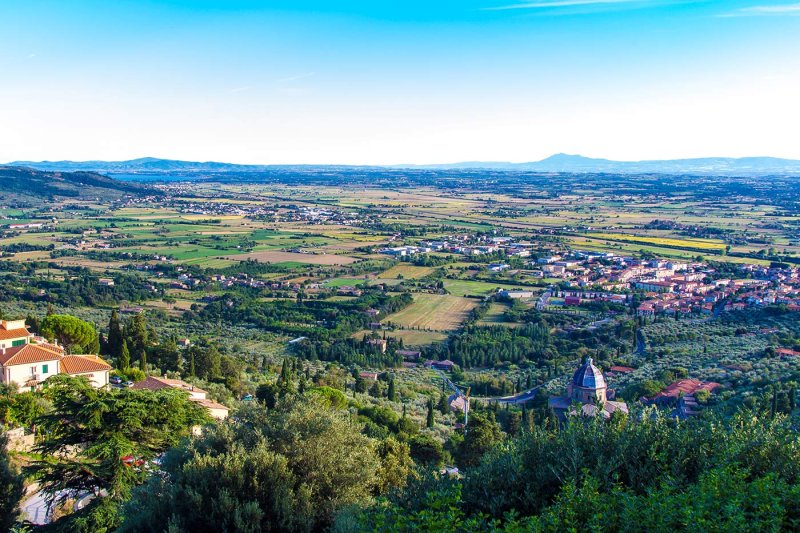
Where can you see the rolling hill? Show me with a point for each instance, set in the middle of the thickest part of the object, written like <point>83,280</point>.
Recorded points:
<point>24,183</point>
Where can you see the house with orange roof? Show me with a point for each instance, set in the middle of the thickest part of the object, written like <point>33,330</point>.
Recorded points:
<point>196,394</point>
<point>91,367</point>
<point>29,363</point>
<point>13,333</point>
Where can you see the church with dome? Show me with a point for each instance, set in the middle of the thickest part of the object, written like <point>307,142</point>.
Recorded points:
<point>586,395</point>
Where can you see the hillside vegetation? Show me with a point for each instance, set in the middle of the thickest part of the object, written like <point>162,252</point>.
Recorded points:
<point>27,184</point>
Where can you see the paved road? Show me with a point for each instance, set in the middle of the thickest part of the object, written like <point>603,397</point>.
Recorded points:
<point>34,507</point>
<point>516,398</point>
<point>35,510</point>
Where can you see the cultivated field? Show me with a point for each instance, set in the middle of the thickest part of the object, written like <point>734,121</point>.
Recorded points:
<point>407,272</point>
<point>434,311</point>
<point>283,257</point>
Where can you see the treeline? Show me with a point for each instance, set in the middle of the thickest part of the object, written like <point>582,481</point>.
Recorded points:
<point>364,353</point>
<point>737,474</point>
<point>539,342</point>
<point>317,319</point>
<point>81,288</point>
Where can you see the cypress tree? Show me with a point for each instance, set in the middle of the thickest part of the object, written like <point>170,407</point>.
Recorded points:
<point>443,406</point>
<point>392,395</point>
<point>124,357</point>
<point>115,340</point>
<point>285,371</point>
<point>429,422</point>
<point>191,364</point>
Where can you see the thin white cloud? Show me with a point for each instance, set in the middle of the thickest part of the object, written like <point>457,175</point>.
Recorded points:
<point>775,9</point>
<point>559,3</point>
<point>297,77</point>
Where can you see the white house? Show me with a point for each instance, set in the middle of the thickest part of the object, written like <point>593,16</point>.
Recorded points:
<point>29,364</point>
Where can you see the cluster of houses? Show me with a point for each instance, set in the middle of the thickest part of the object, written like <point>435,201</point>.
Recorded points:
<point>469,245</point>
<point>28,361</point>
<point>670,287</point>
<point>686,294</point>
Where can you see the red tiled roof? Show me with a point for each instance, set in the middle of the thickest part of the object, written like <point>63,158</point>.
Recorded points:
<point>154,383</point>
<point>82,364</point>
<point>27,353</point>
<point>18,333</point>
<point>622,369</point>
<point>211,404</point>
<point>686,387</point>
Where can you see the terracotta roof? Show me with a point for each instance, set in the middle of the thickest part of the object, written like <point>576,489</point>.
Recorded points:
<point>28,353</point>
<point>686,387</point>
<point>622,369</point>
<point>81,364</point>
<point>211,404</point>
<point>154,383</point>
<point>18,333</point>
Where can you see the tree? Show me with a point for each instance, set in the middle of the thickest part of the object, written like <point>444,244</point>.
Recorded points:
<point>482,435</point>
<point>429,421</point>
<point>396,464</point>
<point>444,407</point>
<point>255,476</point>
<point>71,332</point>
<point>11,488</point>
<point>360,385</point>
<point>392,395</point>
<point>207,361</point>
<point>124,357</point>
<point>89,431</point>
<point>115,340</point>
<point>138,337</point>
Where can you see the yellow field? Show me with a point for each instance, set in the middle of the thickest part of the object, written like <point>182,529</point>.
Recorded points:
<point>434,311</point>
<point>662,241</point>
<point>407,271</point>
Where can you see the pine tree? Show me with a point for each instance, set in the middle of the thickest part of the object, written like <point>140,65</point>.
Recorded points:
<point>124,357</point>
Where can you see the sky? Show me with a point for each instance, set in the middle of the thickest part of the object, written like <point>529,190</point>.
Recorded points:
<point>394,82</point>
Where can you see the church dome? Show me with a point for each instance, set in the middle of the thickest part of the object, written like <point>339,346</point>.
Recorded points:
<point>589,376</point>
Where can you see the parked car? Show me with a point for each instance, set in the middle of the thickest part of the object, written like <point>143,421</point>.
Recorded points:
<point>128,384</point>
<point>115,380</point>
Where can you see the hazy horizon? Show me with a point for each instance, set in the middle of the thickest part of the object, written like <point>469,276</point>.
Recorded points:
<point>311,82</point>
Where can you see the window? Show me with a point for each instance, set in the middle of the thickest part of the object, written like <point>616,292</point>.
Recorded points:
<point>33,371</point>
<point>20,342</point>
<point>44,369</point>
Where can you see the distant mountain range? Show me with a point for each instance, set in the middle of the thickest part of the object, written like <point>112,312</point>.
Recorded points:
<point>746,166</point>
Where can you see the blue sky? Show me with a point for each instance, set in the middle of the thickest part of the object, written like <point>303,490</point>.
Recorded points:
<point>301,81</point>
